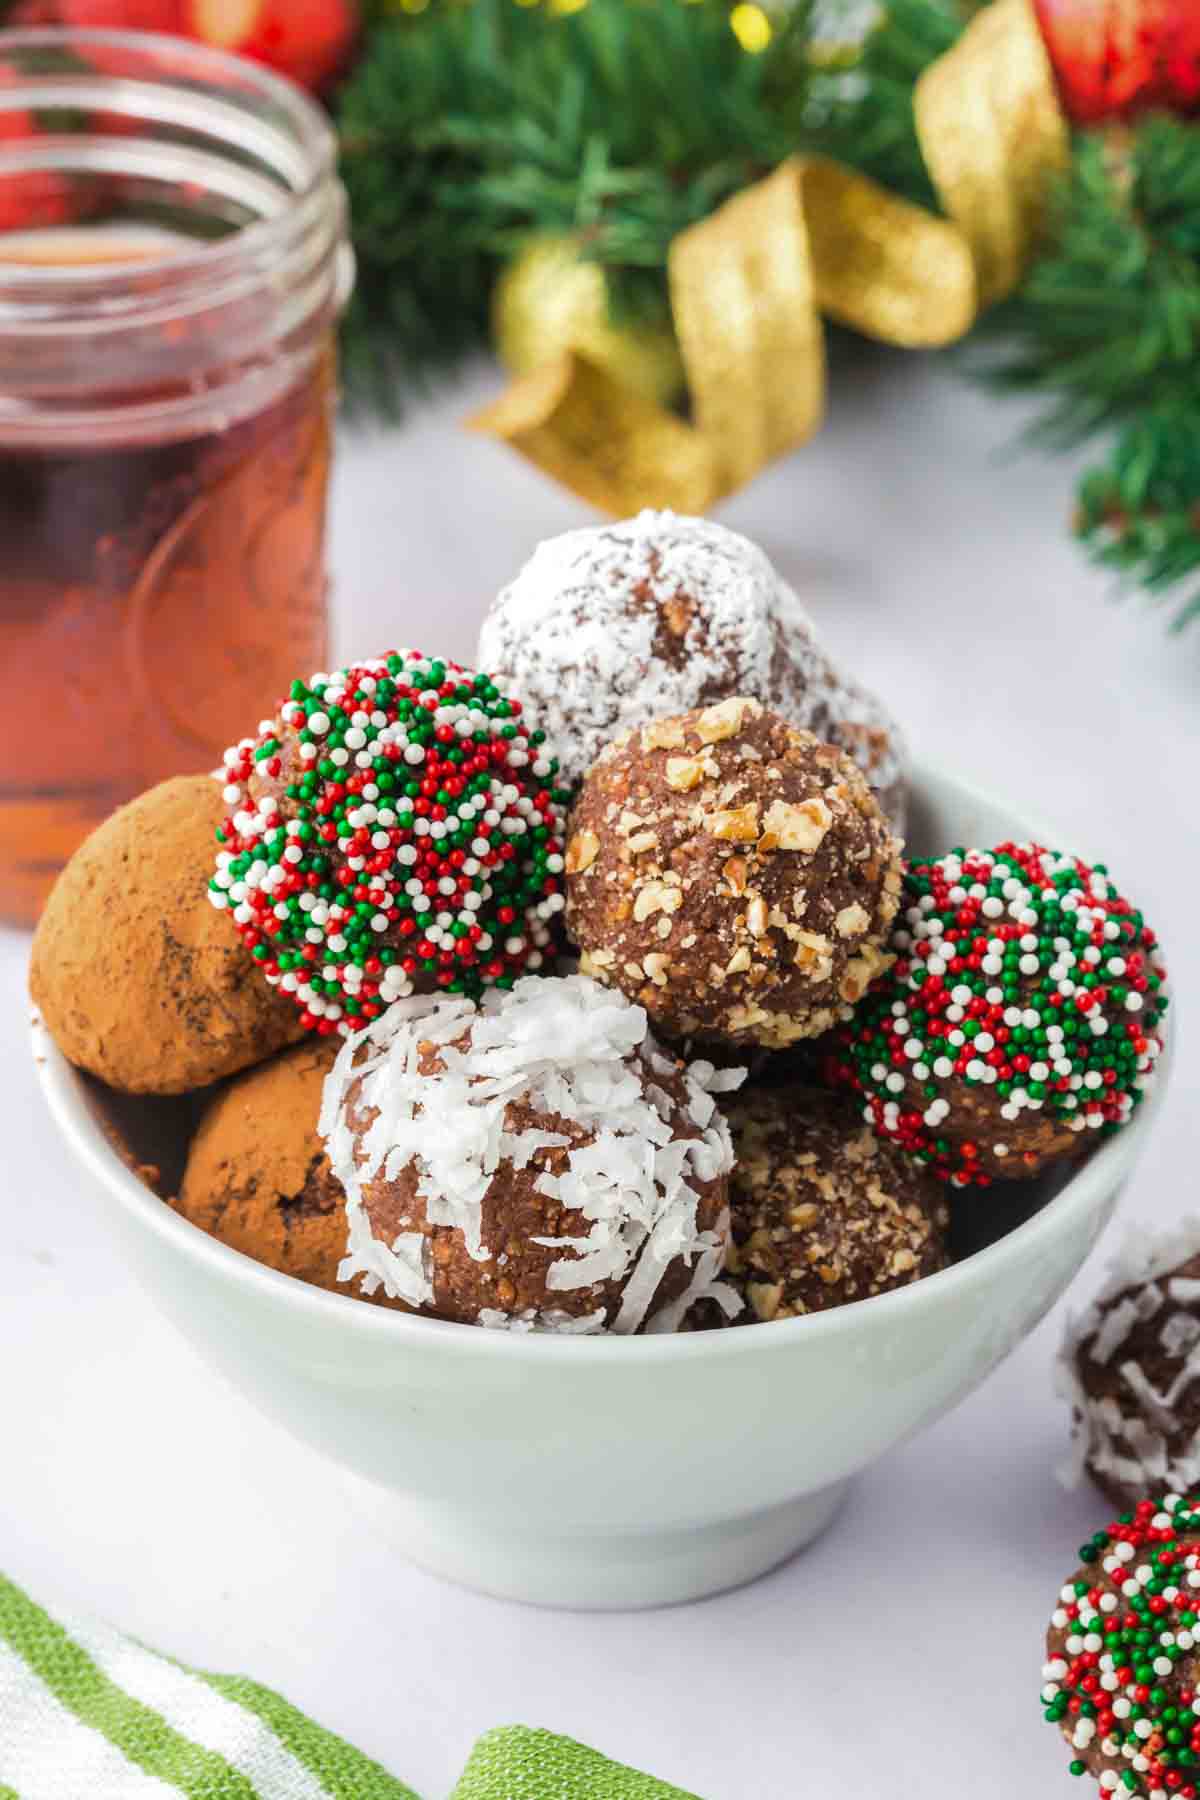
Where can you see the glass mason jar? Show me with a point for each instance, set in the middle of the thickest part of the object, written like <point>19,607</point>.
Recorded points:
<point>173,258</point>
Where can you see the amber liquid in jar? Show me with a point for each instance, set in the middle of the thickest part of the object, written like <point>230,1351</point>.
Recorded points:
<point>166,401</point>
<point>155,603</point>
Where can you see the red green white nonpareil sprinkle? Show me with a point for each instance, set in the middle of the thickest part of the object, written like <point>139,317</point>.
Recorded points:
<point>1119,1682</point>
<point>416,846</point>
<point>1018,970</point>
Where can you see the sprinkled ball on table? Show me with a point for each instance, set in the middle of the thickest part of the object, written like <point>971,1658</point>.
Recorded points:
<point>397,828</point>
<point>1130,1369</point>
<point>607,627</point>
<point>535,1162</point>
<point>1020,1020</point>
<point>823,1212</point>
<point>733,875</point>
<point>1122,1660</point>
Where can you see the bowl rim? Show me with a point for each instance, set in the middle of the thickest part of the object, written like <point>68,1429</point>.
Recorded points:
<point>1084,1190</point>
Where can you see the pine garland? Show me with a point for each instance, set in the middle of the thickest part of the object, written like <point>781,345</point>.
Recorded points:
<point>870,124</point>
<point>1106,329</point>
<point>472,129</point>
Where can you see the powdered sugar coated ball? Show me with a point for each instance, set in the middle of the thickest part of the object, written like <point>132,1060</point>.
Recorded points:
<point>610,626</point>
<point>533,1162</point>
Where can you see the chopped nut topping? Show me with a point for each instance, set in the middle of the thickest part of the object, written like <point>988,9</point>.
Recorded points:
<point>645,840</point>
<point>677,614</point>
<point>684,772</point>
<point>756,916</point>
<point>597,963</point>
<point>735,871</point>
<point>852,921</point>
<point>800,827</point>
<point>656,966</point>
<point>635,971</point>
<point>739,962</point>
<point>724,720</point>
<point>738,825</point>
<point>764,1297</point>
<point>656,896</point>
<point>582,852</point>
<point>663,734</point>
<point>813,954</point>
<point>861,971</point>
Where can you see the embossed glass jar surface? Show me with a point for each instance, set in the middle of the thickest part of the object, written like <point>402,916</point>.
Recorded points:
<point>172,260</point>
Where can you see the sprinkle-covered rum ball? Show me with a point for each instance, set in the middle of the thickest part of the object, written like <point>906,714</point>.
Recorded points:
<point>733,875</point>
<point>1130,1369</point>
<point>1122,1669</point>
<point>1020,1019</point>
<point>398,828</point>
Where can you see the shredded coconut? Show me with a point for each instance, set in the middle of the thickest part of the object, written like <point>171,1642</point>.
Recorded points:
<point>563,1046</point>
<point>1131,1448</point>
<point>610,626</point>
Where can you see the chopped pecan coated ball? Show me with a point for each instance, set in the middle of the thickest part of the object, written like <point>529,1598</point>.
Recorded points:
<point>823,1212</point>
<point>732,874</point>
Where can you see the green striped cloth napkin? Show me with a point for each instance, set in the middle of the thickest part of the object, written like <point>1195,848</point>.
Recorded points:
<point>86,1714</point>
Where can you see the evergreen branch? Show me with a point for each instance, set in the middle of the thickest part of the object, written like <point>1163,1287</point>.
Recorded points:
<point>469,130</point>
<point>1107,322</point>
<point>1105,330</point>
<point>870,109</point>
<point>1139,512</point>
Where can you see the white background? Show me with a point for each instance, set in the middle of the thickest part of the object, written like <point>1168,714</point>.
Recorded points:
<point>901,1654</point>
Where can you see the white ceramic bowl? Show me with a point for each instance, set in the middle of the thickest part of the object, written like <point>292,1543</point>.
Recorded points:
<point>615,1472</point>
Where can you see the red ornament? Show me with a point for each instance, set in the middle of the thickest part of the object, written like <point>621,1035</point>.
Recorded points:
<point>310,40</point>
<point>1114,59</point>
<point>30,199</point>
<point>122,15</point>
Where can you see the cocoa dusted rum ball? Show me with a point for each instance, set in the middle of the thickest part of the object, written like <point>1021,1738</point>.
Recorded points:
<point>138,981</point>
<point>257,1177</point>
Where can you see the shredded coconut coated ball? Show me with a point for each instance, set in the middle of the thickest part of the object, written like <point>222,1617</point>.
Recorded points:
<point>1130,1370</point>
<point>610,626</point>
<point>534,1162</point>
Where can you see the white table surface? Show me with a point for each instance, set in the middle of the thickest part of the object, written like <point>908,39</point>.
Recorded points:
<point>901,1654</point>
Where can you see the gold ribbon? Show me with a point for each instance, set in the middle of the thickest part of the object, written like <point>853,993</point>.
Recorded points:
<point>749,286</point>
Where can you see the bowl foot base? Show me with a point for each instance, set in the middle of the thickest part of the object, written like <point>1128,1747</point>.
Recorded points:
<point>600,1571</point>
